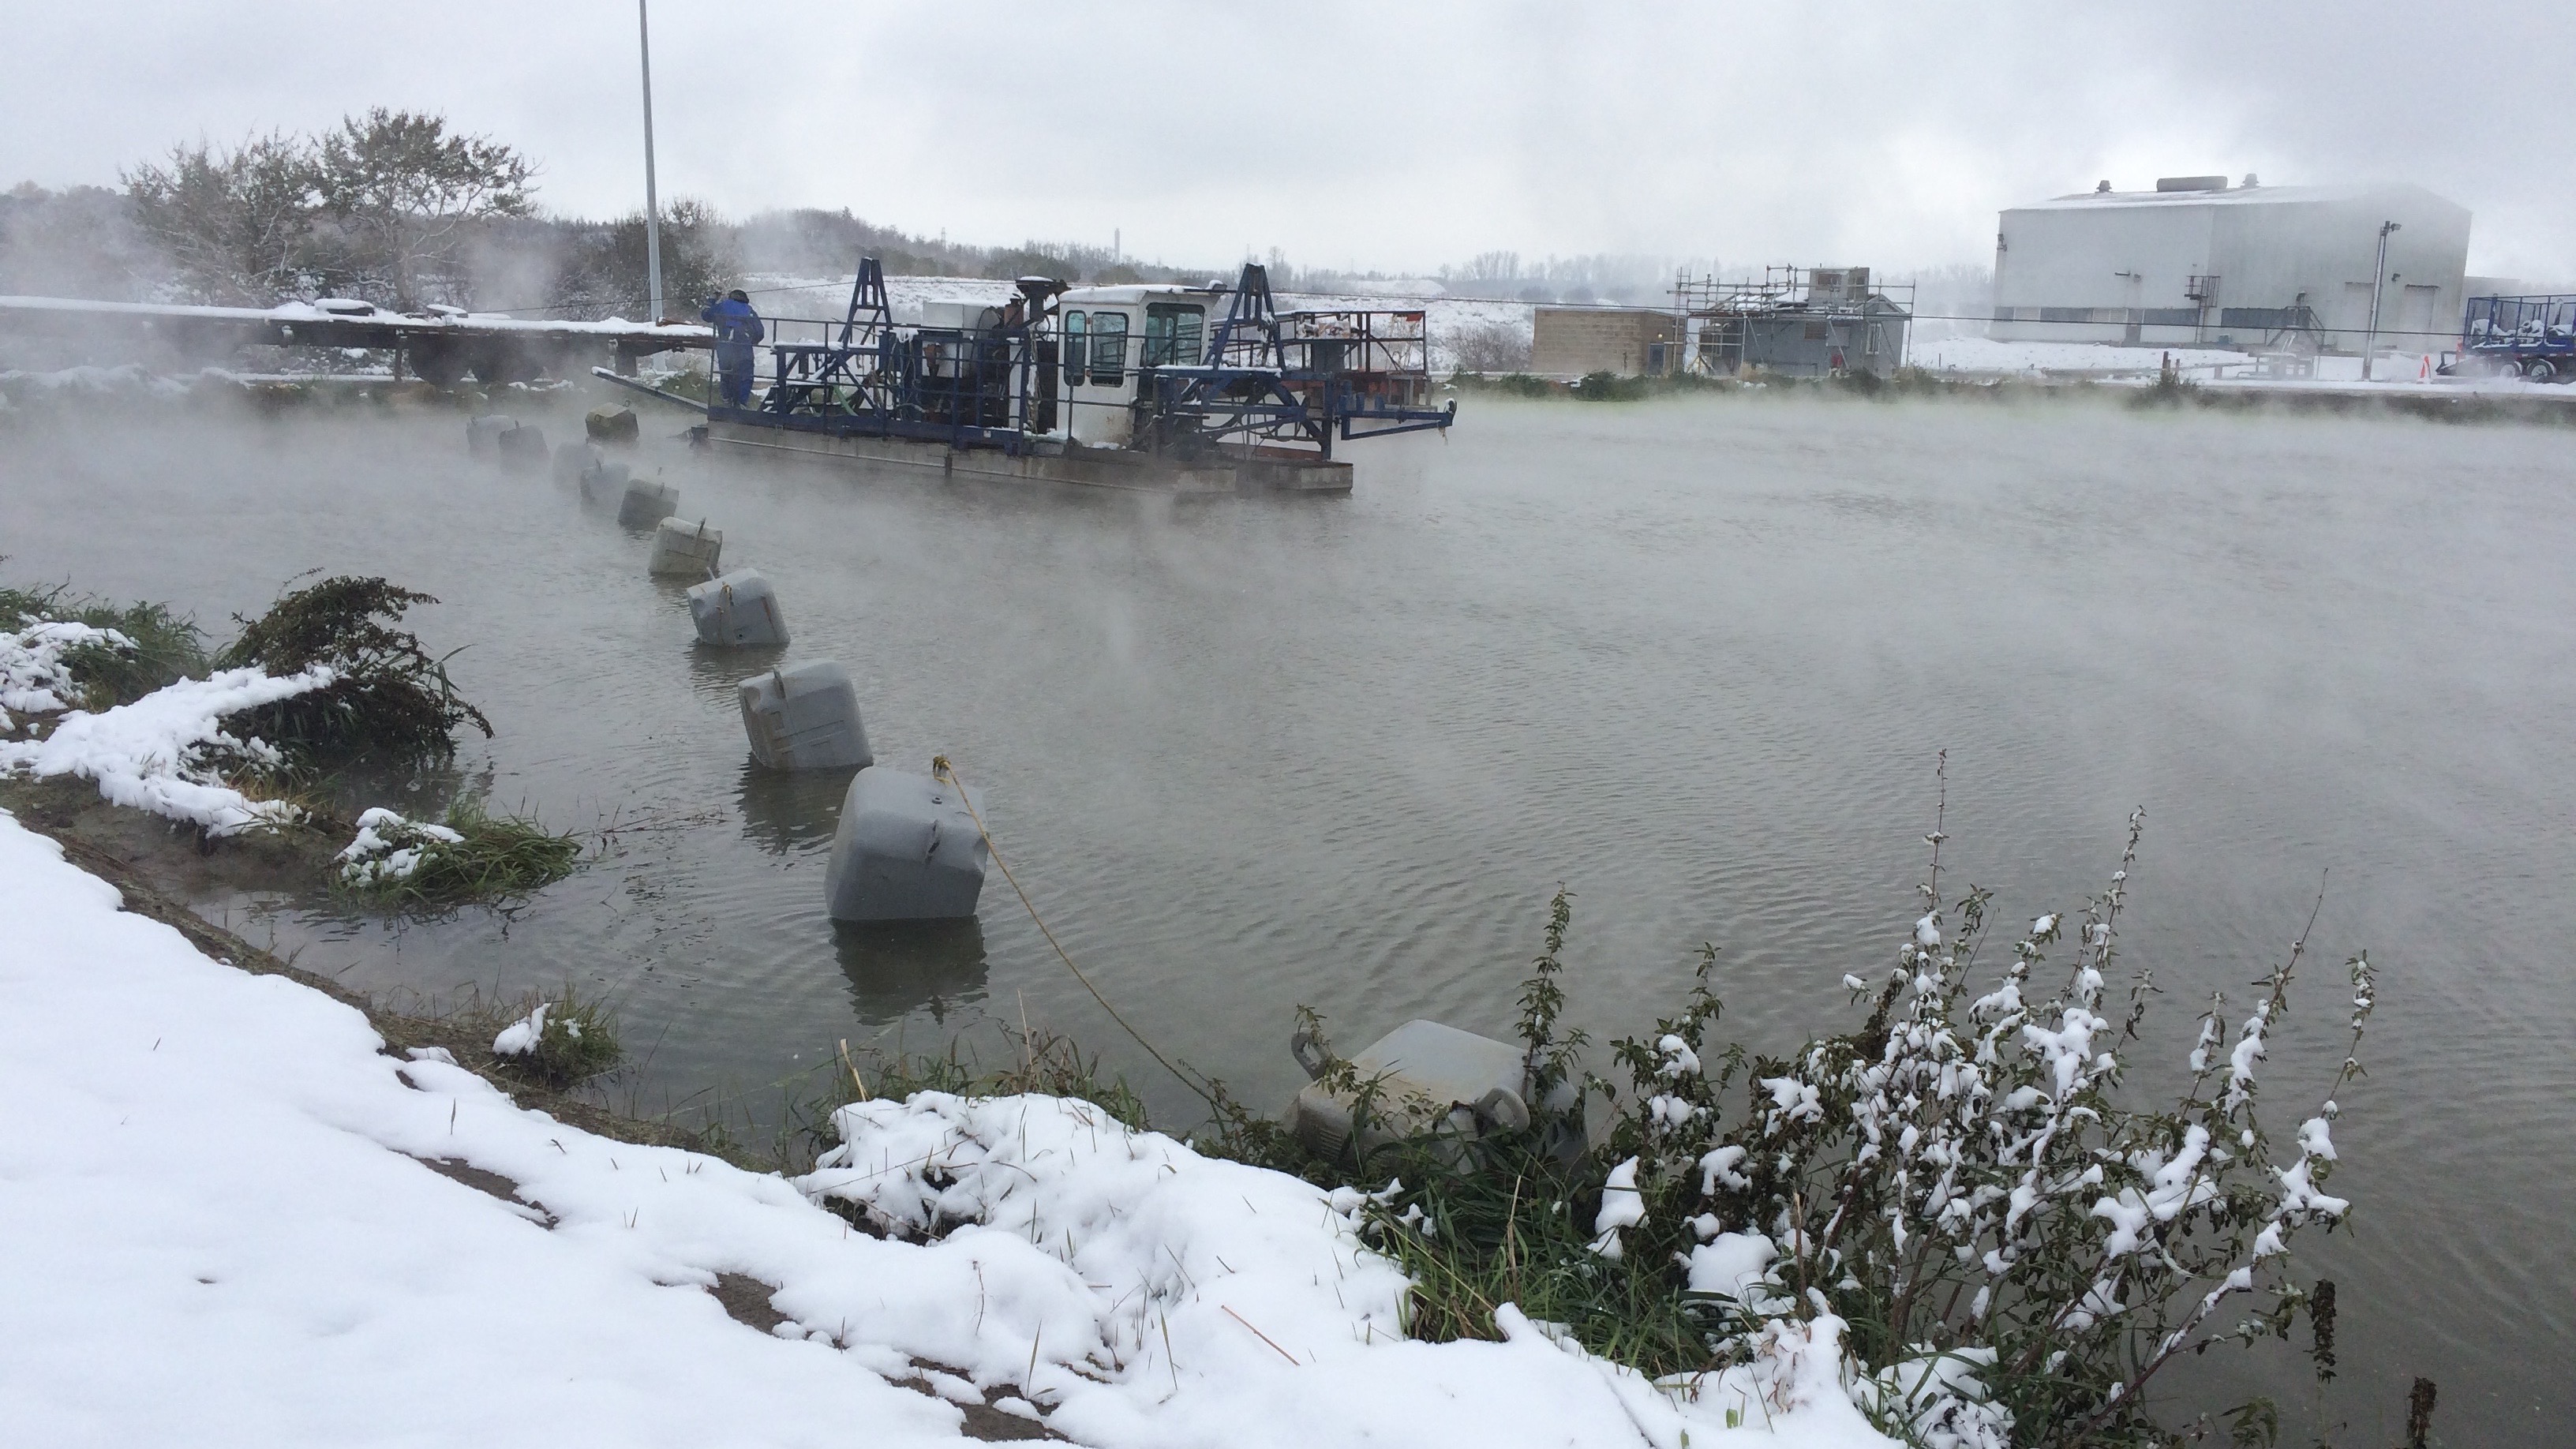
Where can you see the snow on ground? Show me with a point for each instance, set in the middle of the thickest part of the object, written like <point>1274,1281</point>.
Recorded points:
<point>130,379</point>
<point>2225,367</point>
<point>223,1231</point>
<point>1986,354</point>
<point>151,754</point>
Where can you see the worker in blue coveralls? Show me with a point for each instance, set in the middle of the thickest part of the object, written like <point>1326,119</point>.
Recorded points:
<point>737,330</point>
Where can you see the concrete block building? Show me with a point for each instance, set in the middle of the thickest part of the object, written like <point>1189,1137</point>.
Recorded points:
<point>2199,262</point>
<point>1630,341</point>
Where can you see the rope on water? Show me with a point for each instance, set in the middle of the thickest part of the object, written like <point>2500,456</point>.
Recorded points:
<point>940,769</point>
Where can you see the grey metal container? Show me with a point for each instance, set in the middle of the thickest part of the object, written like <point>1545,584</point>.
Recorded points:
<point>686,548</point>
<point>737,610</point>
<point>907,850</point>
<point>646,503</point>
<point>805,717</point>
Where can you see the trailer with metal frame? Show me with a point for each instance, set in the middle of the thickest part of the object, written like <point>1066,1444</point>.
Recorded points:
<point>2534,336</point>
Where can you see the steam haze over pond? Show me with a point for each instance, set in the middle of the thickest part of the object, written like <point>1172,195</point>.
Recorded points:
<point>1693,661</point>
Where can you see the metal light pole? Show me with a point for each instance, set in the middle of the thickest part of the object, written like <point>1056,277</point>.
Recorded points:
<point>653,202</point>
<point>2377,277</point>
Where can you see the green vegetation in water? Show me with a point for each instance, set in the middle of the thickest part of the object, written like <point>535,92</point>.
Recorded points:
<point>471,856</point>
<point>162,647</point>
<point>391,699</point>
<point>573,1039</point>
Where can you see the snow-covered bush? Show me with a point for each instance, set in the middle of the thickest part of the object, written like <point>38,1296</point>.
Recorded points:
<point>37,666</point>
<point>388,695</point>
<point>2013,1248</point>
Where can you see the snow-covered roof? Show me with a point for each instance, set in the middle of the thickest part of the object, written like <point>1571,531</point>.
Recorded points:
<point>2229,196</point>
<point>1148,292</point>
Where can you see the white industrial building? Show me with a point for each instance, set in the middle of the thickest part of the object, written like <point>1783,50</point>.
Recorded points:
<point>2196,261</point>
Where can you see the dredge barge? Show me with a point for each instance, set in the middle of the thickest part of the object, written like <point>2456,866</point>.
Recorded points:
<point>1155,387</point>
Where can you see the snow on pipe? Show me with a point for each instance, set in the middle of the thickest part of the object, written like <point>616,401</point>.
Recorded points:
<point>805,717</point>
<point>737,610</point>
<point>907,850</point>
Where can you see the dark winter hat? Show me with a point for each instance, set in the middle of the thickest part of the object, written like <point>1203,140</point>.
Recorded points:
<point>737,295</point>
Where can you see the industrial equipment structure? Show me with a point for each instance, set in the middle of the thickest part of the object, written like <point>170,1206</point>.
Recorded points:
<point>1157,387</point>
<point>1796,322</point>
<point>2197,262</point>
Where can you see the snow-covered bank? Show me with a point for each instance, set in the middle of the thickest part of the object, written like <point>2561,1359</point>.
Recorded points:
<point>152,754</point>
<point>220,1232</point>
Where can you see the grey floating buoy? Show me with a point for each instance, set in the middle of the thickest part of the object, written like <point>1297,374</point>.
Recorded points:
<point>737,610</point>
<point>611,425</point>
<point>574,460</point>
<point>906,850</point>
<point>523,448</point>
<point>605,478</point>
<point>805,717</point>
<point>685,548</point>
<point>646,503</point>
<point>483,434</point>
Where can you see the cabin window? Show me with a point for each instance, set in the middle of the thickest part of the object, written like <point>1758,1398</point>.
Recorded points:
<point>1172,333</point>
<point>1108,348</point>
<point>1077,352</point>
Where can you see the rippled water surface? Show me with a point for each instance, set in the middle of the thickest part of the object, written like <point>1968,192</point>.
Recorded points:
<point>1693,661</point>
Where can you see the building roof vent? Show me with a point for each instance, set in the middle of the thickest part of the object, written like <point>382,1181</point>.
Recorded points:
<point>2249,183</point>
<point>2101,187</point>
<point>2191,183</point>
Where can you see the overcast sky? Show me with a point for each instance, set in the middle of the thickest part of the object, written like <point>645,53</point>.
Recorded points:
<point>1389,136</point>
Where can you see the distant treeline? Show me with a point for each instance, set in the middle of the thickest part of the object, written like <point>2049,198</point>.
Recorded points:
<point>395,208</point>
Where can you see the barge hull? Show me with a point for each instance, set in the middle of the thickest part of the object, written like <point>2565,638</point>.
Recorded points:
<point>1114,468</point>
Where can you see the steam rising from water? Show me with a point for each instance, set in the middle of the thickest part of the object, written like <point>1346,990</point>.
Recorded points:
<point>1692,661</point>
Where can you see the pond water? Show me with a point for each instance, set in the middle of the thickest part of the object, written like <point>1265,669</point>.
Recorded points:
<point>1693,661</point>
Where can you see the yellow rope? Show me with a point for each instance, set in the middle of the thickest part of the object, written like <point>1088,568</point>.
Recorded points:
<point>942,770</point>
